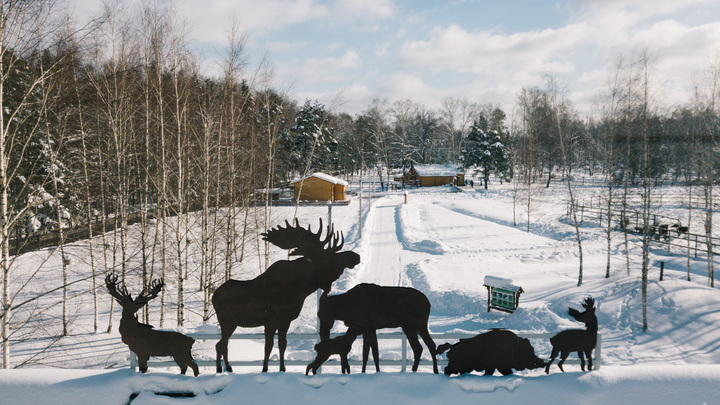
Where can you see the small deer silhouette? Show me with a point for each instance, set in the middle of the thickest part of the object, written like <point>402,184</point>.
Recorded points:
<point>142,339</point>
<point>340,345</point>
<point>576,340</point>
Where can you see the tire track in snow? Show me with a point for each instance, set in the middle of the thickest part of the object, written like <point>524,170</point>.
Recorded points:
<point>384,249</point>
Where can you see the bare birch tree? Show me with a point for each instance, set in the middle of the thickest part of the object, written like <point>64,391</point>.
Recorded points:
<point>20,23</point>
<point>610,104</point>
<point>645,108</point>
<point>567,133</point>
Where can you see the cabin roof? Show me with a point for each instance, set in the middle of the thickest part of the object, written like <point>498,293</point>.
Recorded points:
<point>437,170</point>
<point>325,177</point>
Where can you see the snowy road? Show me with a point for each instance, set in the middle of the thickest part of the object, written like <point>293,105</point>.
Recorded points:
<point>384,264</point>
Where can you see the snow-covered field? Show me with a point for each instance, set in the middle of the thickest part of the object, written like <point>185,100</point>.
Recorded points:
<point>443,244</point>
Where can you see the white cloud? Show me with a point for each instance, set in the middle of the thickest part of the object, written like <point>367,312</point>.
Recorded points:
<point>210,19</point>
<point>410,59</point>
<point>284,46</point>
<point>366,8</point>
<point>578,51</point>
<point>456,49</point>
<point>330,68</point>
<point>354,97</point>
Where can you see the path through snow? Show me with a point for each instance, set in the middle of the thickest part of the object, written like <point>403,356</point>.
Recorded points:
<point>384,264</point>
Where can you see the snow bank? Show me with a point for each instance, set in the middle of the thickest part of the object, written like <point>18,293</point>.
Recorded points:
<point>624,385</point>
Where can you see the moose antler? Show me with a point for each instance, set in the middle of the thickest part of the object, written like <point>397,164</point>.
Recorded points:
<point>589,303</point>
<point>332,240</point>
<point>304,242</point>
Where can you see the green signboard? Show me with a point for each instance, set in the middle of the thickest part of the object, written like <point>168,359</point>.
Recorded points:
<point>502,298</point>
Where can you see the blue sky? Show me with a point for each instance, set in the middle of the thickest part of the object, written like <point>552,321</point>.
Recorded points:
<point>345,53</point>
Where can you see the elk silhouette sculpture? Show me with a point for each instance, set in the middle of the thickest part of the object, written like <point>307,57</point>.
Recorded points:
<point>143,339</point>
<point>275,298</point>
<point>368,307</point>
<point>576,340</point>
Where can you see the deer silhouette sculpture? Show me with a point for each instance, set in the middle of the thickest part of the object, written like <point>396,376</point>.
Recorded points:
<point>576,340</point>
<point>340,345</point>
<point>143,339</point>
<point>275,298</point>
<point>368,307</point>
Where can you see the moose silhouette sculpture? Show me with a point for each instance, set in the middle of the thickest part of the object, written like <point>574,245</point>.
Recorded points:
<point>340,345</point>
<point>497,349</point>
<point>368,307</point>
<point>582,341</point>
<point>275,298</point>
<point>143,339</point>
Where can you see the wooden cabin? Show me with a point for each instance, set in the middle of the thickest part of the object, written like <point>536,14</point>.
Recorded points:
<point>321,187</point>
<point>434,175</point>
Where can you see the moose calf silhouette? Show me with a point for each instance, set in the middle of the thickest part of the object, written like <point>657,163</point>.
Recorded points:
<point>340,345</point>
<point>582,341</point>
<point>497,349</point>
<point>142,339</point>
<point>368,307</point>
<point>275,298</point>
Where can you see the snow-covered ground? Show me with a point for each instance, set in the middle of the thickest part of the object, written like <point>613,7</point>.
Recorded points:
<point>444,244</point>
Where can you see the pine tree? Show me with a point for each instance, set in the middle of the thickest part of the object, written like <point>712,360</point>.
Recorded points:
<point>484,151</point>
<point>311,141</point>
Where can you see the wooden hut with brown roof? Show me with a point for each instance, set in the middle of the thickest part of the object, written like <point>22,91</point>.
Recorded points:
<point>434,175</point>
<point>320,187</point>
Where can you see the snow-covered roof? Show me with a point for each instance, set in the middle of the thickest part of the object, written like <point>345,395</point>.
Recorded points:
<point>437,170</point>
<point>499,282</point>
<point>326,177</point>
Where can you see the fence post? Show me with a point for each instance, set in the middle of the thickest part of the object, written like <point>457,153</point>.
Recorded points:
<point>359,214</point>
<point>598,350</point>
<point>662,270</point>
<point>404,353</point>
<point>133,360</point>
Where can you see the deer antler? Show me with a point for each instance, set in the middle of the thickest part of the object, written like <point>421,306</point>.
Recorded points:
<point>150,292</point>
<point>119,292</point>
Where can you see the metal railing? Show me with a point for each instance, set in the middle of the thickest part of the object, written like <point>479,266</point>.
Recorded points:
<point>402,362</point>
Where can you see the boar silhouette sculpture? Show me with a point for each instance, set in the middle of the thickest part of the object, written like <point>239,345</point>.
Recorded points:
<point>497,349</point>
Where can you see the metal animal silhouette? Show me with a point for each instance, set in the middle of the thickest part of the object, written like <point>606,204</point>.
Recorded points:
<point>582,341</point>
<point>340,345</point>
<point>368,307</point>
<point>275,298</point>
<point>498,349</point>
<point>142,339</point>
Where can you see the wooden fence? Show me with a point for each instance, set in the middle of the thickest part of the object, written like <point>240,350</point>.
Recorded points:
<point>402,362</point>
<point>667,237</point>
